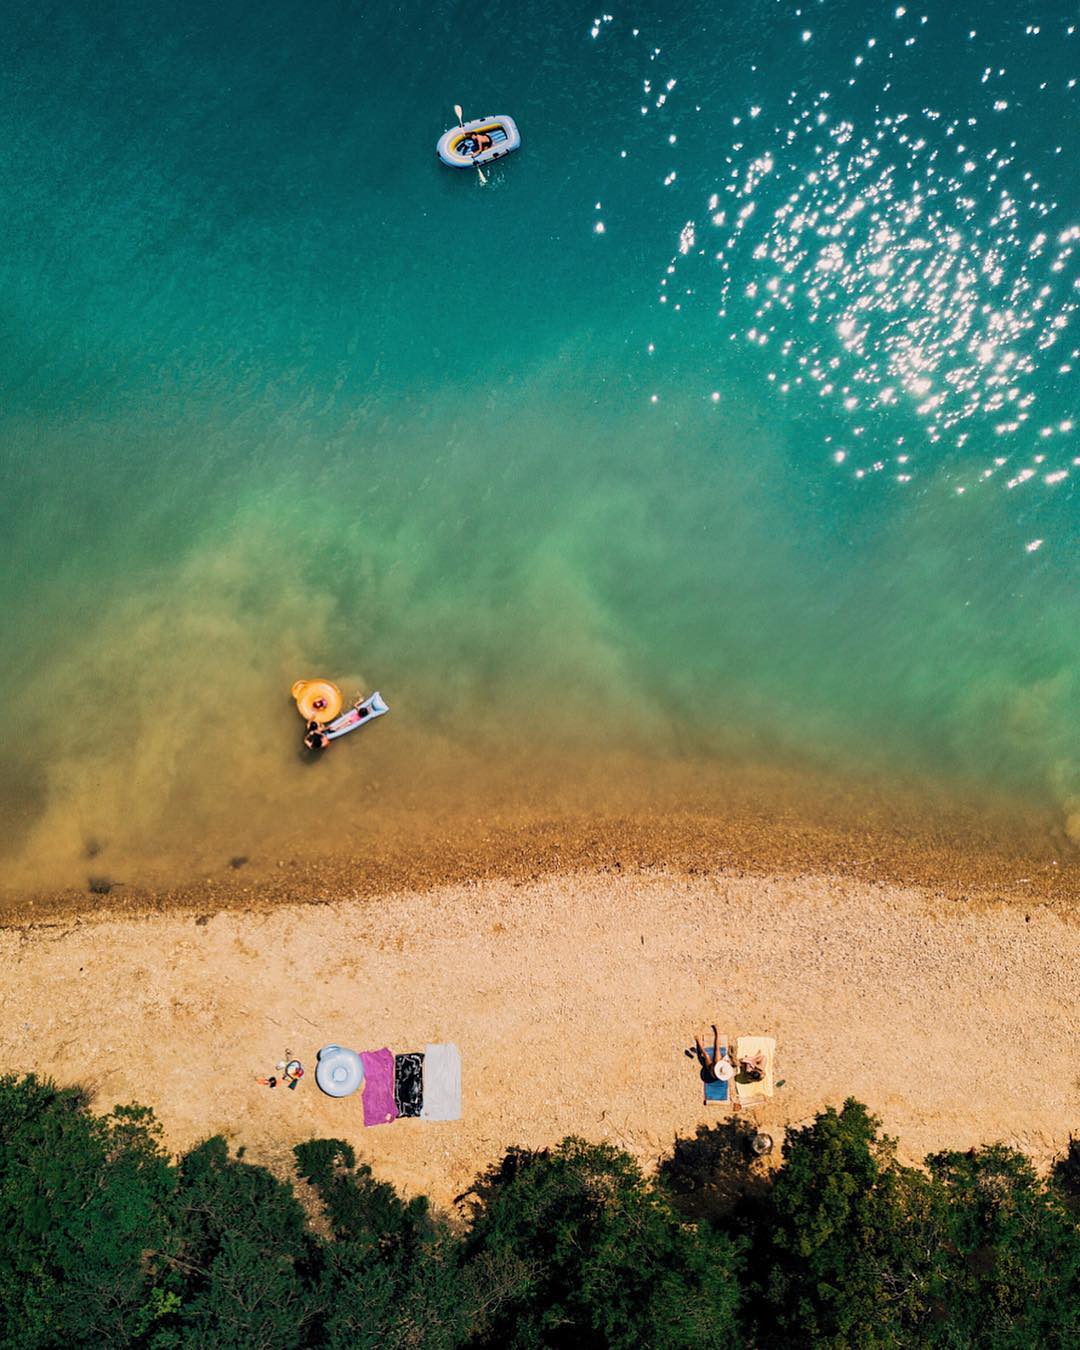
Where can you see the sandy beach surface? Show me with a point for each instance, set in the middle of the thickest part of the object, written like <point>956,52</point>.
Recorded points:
<point>572,998</point>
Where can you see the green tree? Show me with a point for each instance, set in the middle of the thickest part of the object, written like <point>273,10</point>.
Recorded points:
<point>243,1263</point>
<point>104,1242</point>
<point>848,1238</point>
<point>392,1274</point>
<point>1008,1256</point>
<point>1065,1176</point>
<point>573,1247</point>
<point>83,1207</point>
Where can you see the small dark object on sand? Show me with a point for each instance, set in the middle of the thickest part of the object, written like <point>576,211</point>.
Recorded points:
<point>100,885</point>
<point>238,861</point>
<point>92,847</point>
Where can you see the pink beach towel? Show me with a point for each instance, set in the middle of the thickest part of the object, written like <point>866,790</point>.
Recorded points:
<point>379,1104</point>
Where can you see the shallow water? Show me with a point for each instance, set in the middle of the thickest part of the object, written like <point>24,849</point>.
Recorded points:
<point>735,417</point>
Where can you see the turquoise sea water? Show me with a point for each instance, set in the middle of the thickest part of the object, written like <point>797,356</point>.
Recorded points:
<point>735,416</point>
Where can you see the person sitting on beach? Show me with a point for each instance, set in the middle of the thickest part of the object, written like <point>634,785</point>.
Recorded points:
<point>752,1067</point>
<point>715,1065</point>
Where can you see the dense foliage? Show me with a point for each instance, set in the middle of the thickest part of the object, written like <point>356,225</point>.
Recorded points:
<point>84,1204</point>
<point>393,1274</point>
<point>105,1240</point>
<point>848,1230</point>
<point>589,1254</point>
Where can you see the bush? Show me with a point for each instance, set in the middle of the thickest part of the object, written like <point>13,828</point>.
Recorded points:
<point>243,1263</point>
<point>392,1275</point>
<point>1008,1253</point>
<point>83,1216</point>
<point>848,1235</point>
<point>104,1241</point>
<point>1065,1176</point>
<point>574,1248</point>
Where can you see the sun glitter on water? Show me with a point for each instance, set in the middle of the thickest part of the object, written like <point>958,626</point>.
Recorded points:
<point>910,266</point>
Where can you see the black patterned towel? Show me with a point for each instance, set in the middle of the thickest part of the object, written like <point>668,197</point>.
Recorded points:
<point>409,1084</point>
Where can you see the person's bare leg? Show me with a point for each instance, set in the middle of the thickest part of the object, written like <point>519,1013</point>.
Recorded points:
<point>715,1044</point>
<point>703,1058</point>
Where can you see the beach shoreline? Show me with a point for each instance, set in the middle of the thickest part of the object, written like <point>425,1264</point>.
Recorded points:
<point>572,998</point>
<point>391,822</point>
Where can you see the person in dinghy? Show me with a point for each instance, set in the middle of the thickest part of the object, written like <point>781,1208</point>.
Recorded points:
<point>476,143</point>
<point>319,735</point>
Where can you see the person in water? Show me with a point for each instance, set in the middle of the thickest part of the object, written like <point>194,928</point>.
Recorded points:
<point>715,1065</point>
<point>316,738</point>
<point>319,735</point>
<point>356,713</point>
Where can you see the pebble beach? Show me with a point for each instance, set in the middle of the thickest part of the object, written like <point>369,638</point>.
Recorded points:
<point>572,999</point>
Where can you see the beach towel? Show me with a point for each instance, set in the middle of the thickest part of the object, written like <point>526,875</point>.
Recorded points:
<point>379,1105</point>
<point>746,1047</point>
<point>409,1084</point>
<point>717,1091</point>
<point>442,1082</point>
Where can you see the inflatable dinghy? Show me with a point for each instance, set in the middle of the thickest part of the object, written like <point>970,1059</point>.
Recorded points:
<point>480,142</point>
<point>373,706</point>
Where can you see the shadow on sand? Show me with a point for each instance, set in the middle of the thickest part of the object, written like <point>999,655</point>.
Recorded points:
<point>714,1173</point>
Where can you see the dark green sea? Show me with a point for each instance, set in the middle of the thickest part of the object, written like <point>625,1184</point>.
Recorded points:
<point>734,418</point>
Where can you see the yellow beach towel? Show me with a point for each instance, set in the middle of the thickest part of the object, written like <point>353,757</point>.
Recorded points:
<point>746,1047</point>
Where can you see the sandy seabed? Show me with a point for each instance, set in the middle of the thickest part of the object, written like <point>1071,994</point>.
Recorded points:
<point>572,998</point>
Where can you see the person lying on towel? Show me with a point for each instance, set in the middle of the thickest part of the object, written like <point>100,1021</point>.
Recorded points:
<point>715,1065</point>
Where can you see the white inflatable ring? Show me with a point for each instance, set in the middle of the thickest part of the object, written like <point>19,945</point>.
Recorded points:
<point>339,1072</point>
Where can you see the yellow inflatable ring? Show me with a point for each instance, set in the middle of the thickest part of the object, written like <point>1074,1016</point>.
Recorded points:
<point>317,700</point>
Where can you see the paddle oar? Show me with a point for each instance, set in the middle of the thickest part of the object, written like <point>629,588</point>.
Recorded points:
<point>461,124</point>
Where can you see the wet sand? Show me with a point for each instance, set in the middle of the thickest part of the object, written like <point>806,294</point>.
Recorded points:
<point>572,998</point>
<point>396,821</point>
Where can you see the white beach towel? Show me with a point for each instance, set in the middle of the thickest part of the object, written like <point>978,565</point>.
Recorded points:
<point>442,1082</point>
